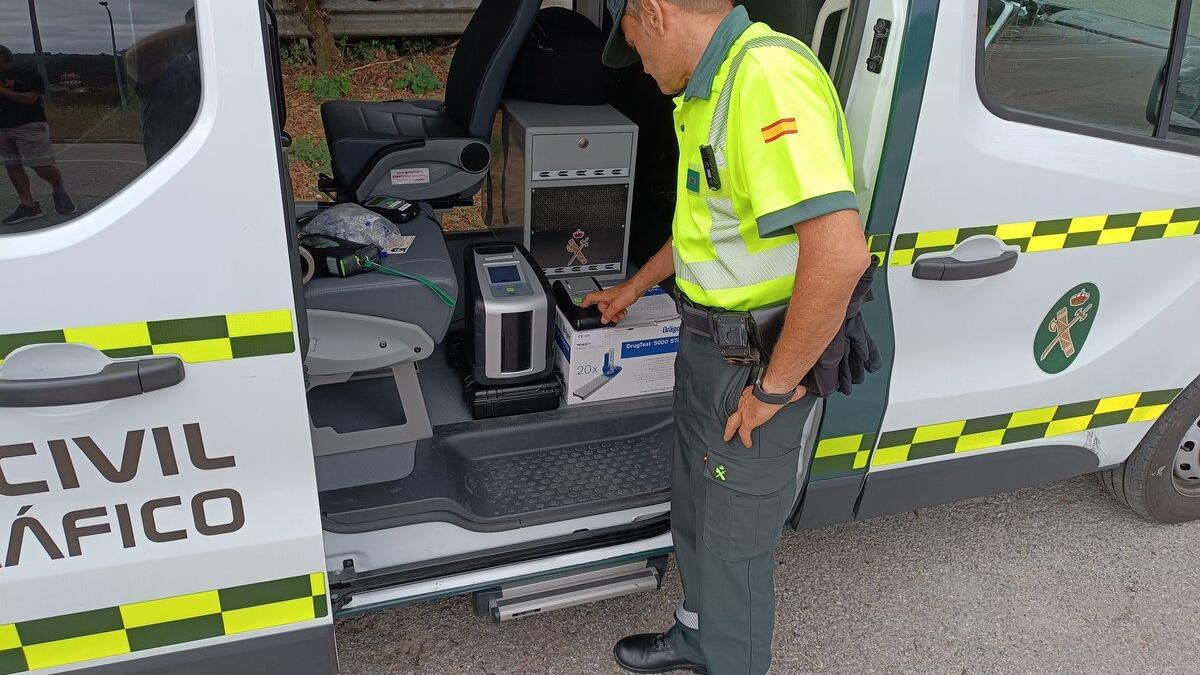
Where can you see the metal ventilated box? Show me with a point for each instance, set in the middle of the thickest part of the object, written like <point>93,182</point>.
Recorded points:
<point>561,183</point>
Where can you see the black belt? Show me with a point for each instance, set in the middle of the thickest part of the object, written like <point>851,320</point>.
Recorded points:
<point>749,337</point>
<point>741,337</point>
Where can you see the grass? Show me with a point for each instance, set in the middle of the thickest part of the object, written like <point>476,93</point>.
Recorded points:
<point>94,123</point>
<point>295,53</point>
<point>326,87</point>
<point>366,50</point>
<point>298,53</point>
<point>371,70</point>
<point>311,152</point>
<point>419,80</point>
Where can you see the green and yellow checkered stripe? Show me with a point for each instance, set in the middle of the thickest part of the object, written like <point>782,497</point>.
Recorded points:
<point>848,455</point>
<point>841,456</point>
<point>100,633</point>
<point>195,340</point>
<point>1048,235</point>
<point>878,245</point>
<point>945,438</point>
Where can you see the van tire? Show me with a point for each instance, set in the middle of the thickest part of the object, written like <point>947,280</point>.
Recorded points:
<point>1146,481</point>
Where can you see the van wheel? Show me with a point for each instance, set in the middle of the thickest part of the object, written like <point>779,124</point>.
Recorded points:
<point>1161,479</point>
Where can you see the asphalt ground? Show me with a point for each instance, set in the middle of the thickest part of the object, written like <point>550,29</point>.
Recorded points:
<point>1056,579</point>
<point>92,172</point>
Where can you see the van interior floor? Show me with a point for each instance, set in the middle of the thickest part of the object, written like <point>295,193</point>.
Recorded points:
<point>510,472</point>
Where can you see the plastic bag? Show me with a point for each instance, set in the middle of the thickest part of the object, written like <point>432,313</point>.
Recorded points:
<point>355,223</point>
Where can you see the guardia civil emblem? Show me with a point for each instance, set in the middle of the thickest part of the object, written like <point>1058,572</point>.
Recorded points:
<point>1066,327</point>
<point>575,245</point>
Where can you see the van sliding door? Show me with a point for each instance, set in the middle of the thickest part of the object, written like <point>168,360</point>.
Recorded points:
<point>1042,268</point>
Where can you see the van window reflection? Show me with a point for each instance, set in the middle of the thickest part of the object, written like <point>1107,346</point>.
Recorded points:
<point>113,88</point>
<point>25,141</point>
<point>166,71</point>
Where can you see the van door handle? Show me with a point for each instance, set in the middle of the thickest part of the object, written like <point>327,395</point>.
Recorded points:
<point>949,268</point>
<point>116,380</point>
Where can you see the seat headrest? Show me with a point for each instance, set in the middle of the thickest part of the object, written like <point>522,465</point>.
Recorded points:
<point>483,59</point>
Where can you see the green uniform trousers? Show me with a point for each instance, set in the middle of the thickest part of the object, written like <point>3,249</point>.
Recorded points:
<point>728,507</point>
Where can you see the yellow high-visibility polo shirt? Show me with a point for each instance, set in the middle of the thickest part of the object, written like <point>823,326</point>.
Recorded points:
<point>763,110</point>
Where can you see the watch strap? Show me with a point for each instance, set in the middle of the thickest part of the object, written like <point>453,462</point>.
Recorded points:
<point>769,398</point>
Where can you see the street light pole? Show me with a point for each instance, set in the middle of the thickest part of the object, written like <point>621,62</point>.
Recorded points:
<point>132,31</point>
<point>112,31</point>
<point>37,44</point>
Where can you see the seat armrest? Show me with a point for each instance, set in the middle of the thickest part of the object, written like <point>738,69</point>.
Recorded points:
<point>343,343</point>
<point>425,170</point>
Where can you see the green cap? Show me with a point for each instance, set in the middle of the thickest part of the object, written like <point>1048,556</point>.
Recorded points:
<point>618,53</point>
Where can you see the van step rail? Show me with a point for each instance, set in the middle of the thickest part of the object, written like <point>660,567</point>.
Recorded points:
<point>578,588</point>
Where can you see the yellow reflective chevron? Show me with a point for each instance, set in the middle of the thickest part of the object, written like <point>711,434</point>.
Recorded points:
<point>847,455</point>
<point>170,609</point>
<point>195,340</point>
<point>113,631</point>
<point>945,438</point>
<point>1047,235</point>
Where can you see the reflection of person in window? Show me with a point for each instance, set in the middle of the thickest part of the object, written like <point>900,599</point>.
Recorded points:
<point>166,71</point>
<point>25,139</point>
<point>1186,117</point>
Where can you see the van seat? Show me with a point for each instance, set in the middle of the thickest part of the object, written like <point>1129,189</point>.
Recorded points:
<point>359,131</point>
<point>389,297</point>
<point>445,144</point>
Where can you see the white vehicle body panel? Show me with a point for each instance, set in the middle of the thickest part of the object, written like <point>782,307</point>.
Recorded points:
<point>964,348</point>
<point>868,102</point>
<point>202,233</point>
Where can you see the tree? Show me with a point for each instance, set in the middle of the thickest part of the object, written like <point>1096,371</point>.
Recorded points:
<point>316,19</point>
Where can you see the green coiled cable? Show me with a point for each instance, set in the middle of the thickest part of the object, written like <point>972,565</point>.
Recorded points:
<point>445,297</point>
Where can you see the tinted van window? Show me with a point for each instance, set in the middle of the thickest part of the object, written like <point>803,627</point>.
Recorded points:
<point>1185,116</point>
<point>1098,63</point>
<point>91,95</point>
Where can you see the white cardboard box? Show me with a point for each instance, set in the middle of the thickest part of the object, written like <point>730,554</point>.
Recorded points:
<point>632,358</point>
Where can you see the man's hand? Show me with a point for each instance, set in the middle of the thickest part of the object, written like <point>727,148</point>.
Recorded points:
<point>614,302</point>
<point>753,413</point>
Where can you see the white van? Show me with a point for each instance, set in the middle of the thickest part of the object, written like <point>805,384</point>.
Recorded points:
<point>166,378</point>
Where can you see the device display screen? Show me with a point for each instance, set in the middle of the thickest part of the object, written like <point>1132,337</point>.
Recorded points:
<point>504,274</point>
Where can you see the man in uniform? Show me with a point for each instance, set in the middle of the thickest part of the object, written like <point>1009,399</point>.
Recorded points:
<point>25,140</point>
<point>765,217</point>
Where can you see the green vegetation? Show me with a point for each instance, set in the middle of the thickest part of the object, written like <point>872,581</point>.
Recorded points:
<point>311,152</point>
<point>379,69</point>
<point>414,46</point>
<point>296,53</point>
<point>365,51</point>
<point>418,80</point>
<point>94,122</point>
<point>326,87</point>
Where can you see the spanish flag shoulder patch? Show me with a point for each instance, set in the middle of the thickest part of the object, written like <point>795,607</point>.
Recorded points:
<point>778,129</point>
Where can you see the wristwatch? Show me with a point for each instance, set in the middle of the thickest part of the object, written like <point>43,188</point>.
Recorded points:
<point>769,398</point>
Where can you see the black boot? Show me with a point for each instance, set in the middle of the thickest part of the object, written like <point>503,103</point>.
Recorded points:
<point>652,653</point>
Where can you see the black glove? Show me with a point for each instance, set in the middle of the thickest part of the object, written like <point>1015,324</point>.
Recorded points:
<point>825,376</point>
<point>862,356</point>
<point>846,380</point>
<point>852,353</point>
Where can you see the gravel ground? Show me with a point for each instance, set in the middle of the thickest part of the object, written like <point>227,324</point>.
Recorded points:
<point>1057,579</point>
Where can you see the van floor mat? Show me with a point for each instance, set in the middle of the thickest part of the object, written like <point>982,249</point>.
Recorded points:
<point>510,472</point>
<point>570,475</point>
